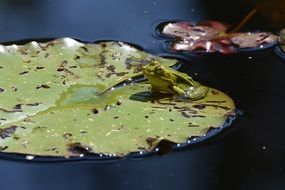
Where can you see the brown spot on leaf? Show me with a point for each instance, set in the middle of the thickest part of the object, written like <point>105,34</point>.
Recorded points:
<point>76,149</point>
<point>23,52</point>
<point>106,108</point>
<point>7,132</point>
<point>2,90</point>
<point>66,135</point>
<point>95,111</point>
<point>62,65</point>
<point>141,148</point>
<point>121,74</point>
<point>202,116</point>
<point>49,44</point>
<point>24,72</point>
<point>33,104</point>
<point>108,75</point>
<point>15,89</point>
<point>192,125</point>
<point>71,73</point>
<point>199,106</point>
<point>39,129</point>
<point>27,61</point>
<point>46,55</point>
<point>40,67</point>
<point>10,111</point>
<point>3,148</point>
<point>128,63</point>
<point>43,86</point>
<point>119,102</point>
<point>150,141</point>
<point>103,45</point>
<point>52,149</point>
<point>137,63</point>
<point>111,68</point>
<point>189,113</point>
<point>18,106</point>
<point>16,137</point>
<point>85,49</point>
<point>217,106</point>
<point>28,120</point>
<point>102,58</point>
<point>60,69</point>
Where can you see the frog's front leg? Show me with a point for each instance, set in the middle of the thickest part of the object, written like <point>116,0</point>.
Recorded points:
<point>178,90</point>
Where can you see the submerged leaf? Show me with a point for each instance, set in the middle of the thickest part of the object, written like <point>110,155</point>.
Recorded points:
<point>61,98</point>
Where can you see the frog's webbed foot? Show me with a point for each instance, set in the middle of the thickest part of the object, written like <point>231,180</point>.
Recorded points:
<point>193,93</point>
<point>198,93</point>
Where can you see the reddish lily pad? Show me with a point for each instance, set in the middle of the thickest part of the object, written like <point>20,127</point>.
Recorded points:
<point>211,36</point>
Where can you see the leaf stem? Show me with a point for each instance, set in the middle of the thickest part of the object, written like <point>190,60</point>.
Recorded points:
<point>244,20</point>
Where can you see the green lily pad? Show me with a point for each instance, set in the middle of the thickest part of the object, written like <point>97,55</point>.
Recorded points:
<point>37,75</point>
<point>61,99</point>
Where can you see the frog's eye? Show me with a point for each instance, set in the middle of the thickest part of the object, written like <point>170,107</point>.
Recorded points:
<point>159,69</point>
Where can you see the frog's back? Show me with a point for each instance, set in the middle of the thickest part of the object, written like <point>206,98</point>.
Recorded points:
<point>184,78</point>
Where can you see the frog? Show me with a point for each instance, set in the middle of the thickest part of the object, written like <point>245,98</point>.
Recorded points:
<point>169,81</point>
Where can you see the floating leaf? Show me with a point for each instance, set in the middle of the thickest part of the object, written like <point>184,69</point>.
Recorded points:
<point>195,32</point>
<point>254,40</point>
<point>36,76</point>
<point>61,98</point>
<point>211,36</point>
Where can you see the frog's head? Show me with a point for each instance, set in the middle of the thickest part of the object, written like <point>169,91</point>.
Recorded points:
<point>156,71</point>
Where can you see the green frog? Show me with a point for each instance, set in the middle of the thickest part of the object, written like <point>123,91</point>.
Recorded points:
<point>169,81</point>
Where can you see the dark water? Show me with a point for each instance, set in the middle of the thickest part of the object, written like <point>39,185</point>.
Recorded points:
<point>250,156</point>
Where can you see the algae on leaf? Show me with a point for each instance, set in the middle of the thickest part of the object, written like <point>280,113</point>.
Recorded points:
<point>58,99</point>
